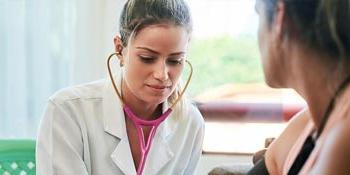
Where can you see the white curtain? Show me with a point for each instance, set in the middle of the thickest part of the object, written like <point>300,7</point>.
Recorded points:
<point>46,45</point>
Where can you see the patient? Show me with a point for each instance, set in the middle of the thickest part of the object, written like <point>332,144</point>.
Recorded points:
<point>305,45</point>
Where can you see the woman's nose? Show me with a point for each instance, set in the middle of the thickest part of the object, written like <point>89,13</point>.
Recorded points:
<point>161,72</point>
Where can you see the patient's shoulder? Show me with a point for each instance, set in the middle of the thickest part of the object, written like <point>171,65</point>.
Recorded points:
<point>334,156</point>
<point>280,147</point>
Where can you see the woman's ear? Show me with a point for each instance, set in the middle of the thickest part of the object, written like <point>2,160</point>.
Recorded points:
<point>281,25</point>
<point>278,25</point>
<point>278,30</point>
<point>118,44</point>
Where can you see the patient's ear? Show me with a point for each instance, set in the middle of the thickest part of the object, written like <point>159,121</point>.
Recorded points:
<point>280,22</point>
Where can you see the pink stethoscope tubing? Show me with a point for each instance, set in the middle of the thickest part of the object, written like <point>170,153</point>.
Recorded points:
<point>145,145</point>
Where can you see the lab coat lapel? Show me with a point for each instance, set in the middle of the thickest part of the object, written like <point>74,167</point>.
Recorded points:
<point>122,157</point>
<point>114,124</point>
<point>113,115</point>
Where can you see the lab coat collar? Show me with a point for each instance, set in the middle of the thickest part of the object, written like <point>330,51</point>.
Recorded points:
<point>113,114</point>
<point>114,124</point>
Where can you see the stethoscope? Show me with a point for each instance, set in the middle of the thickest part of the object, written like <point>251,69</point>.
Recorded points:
<point>138,122</point>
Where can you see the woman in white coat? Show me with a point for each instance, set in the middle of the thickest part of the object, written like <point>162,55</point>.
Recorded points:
<point>138,124</point>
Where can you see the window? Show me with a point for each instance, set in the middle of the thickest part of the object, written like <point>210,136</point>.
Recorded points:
<point>35,60</point>
<point>46,45</point>
<point>229,79</point>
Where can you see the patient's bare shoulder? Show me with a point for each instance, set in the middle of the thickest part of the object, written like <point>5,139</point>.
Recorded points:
<point>334,157</point>
<point>280,147</point>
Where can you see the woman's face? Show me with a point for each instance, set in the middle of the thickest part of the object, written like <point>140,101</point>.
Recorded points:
<point>270,49</point>
<point>153,62</point>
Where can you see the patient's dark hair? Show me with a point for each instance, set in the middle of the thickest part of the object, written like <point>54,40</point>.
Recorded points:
<point>137,14</point>
<point>323,25</point>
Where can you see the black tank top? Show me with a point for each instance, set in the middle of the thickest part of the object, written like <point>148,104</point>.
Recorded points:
<point>304,153</point>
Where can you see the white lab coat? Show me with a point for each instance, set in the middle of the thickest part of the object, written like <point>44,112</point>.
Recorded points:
<point>83,132</point>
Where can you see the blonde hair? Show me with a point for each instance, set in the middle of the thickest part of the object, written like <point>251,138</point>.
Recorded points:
<point>138,14</point>
<point>181,108</point>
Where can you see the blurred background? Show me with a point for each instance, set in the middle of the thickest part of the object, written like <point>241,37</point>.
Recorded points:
<point>46,45</point>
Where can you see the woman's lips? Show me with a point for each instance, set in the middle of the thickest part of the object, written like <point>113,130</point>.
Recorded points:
<point>158,88</point>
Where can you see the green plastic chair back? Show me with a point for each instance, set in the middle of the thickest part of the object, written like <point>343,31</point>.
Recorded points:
<point>17,157</point>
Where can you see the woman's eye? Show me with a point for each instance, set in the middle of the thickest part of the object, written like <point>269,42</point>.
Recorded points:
<point>175,61</point>
<point>147,59</point>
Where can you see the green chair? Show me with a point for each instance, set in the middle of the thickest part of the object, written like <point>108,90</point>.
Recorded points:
<point>17,157</point>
